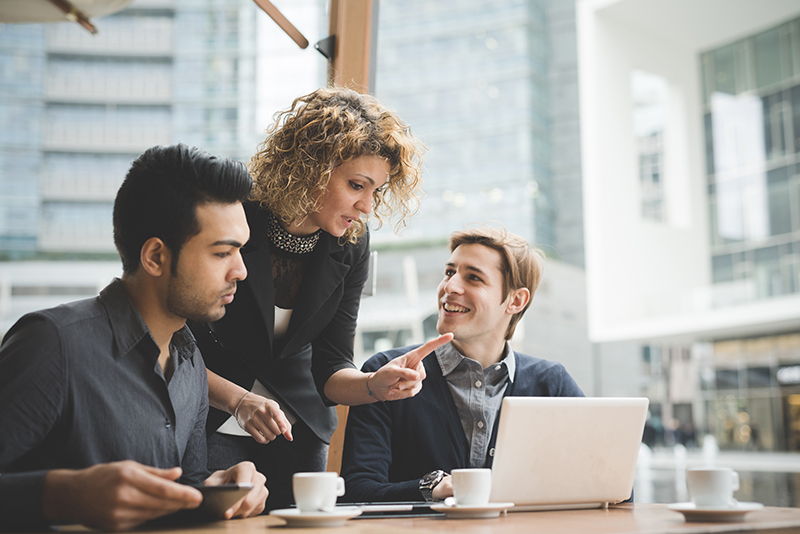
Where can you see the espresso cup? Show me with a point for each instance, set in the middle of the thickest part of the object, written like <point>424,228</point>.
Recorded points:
<point>712,487</point>
<point>317,491</point>
<point>472,486</point>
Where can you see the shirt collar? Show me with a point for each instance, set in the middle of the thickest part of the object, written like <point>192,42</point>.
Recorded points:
<point>449,358</point>
<point>129,328</point>
<point>510,362</point>
<point>184,344</point>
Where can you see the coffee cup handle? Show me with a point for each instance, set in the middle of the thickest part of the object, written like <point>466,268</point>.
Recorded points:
<point>340,486</point>
<point>735,481</point>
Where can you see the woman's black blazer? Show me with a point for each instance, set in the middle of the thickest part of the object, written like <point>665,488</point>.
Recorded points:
<point>319,341</point>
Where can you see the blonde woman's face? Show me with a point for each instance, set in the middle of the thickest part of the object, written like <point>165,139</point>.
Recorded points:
<point>348,196</point>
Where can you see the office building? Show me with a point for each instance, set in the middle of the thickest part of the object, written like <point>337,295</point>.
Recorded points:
<point>692,207</point>
<point>76,109</point>
<point>491,89</point>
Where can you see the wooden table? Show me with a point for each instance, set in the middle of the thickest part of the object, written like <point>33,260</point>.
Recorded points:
<point>626,519</point>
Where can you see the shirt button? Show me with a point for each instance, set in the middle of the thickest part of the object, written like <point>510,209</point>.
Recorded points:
<point>478,383</point>
<point>497,367</point>
<point>480,424</point>
<point>167,424</point>
<point>491,451</point>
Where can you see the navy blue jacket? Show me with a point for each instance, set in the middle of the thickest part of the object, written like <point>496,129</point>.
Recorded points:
<point>389,446</point>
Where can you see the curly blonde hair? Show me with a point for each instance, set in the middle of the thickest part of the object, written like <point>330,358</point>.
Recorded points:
<point>320,131</point>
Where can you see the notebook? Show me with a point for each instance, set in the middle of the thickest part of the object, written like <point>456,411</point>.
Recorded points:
<point>566,452</point>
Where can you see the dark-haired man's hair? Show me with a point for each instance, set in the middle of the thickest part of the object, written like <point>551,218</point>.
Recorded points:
<point>161,192</point>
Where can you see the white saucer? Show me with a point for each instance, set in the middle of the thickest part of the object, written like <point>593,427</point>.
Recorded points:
<point>473,511</point>
<point>731,513</point>
<point>336,518</point>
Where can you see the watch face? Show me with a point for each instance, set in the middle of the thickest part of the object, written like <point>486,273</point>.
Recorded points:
<point>431,478</point>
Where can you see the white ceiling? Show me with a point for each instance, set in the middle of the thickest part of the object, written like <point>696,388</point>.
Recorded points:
<point>694,23</point>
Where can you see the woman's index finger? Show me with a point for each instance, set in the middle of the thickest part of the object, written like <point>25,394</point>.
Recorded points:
<point>417,355</point>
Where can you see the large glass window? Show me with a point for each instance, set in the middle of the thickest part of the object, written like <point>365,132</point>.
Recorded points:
<point>777,124</point>
<point>470,77</point>
<point>650,99</point>
<point>780,209</point>
<point>772,56</point>
<point>752,146</point>
<point>795,98</point>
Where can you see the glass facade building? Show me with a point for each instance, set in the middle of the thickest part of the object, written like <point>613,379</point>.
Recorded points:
<point>751,96</point>
<point>693,218</point>
<point>22,58</point>
<point>76,109</point>
<point>744,390</point>
<point>490,88</point>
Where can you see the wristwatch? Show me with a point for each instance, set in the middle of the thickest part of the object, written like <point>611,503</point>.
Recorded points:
<point>429,481</point>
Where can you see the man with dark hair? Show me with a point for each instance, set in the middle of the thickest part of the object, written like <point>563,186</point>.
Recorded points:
<point>104,400</point>
<point>403,450</point>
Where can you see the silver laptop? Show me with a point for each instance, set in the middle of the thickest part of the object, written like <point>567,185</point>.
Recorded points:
<point>566,452</point>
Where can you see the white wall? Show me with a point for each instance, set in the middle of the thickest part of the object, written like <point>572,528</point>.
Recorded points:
<point>640,273</point>
<point>636,268</point>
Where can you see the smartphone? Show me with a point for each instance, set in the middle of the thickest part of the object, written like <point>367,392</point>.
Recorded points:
<point>217,499</point>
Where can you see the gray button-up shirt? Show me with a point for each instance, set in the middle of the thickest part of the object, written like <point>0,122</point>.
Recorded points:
<point>80,384</point>
<point>477,394</point>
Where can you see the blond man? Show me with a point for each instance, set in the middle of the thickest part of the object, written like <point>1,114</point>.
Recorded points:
<point>404,450</point>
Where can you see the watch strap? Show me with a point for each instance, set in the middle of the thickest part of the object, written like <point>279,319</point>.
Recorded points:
<point>428,482</point>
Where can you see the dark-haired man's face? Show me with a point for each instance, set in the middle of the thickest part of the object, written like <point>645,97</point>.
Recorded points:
<point>209,264</point>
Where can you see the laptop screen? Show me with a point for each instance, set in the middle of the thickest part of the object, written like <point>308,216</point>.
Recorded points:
<point>555,451</point>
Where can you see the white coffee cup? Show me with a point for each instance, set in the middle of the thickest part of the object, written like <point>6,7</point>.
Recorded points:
<point>712,487</point>
<point>472,486</point>
<point>317,491</point>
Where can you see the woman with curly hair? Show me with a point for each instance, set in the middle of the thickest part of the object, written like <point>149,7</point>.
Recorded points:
<point>281,357</point>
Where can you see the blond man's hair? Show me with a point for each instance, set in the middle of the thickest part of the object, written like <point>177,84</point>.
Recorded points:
<point>521,264</point>
<point>319,132</point>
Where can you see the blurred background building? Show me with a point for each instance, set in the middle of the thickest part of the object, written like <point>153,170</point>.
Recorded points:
<point>693,211</point>
<point>690,122</point>
<point>491,89</point>
<point>78,108</point>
